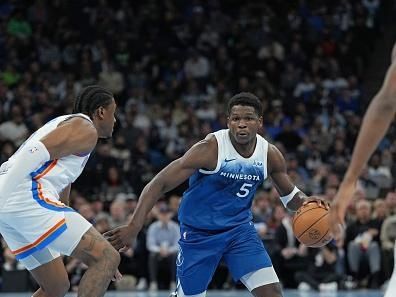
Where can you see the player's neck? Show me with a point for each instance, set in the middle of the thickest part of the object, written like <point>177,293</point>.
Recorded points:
<point>245,150</point>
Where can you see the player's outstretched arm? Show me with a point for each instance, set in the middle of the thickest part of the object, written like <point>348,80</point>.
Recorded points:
<point>76,135</point>
<point>376,121</point>
<point>291,196</point>
<point>202,155</point>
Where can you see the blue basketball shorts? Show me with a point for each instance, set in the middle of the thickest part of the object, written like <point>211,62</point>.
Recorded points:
<point>201,251</point>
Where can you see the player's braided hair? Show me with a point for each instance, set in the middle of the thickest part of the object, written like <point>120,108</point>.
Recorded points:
<point>246,99</point>
<point>91,98</point>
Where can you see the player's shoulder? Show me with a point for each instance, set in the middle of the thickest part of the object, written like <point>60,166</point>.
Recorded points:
<point>210,139</point>
<point>78,121</point>
<point>263,142</point>
<point>207,144</point>
<point>275,157</point>
<point>76,118</point>
<point>82,125</point>
<point>273,148</point>
<point>202,154</point>
<point>203,150</point>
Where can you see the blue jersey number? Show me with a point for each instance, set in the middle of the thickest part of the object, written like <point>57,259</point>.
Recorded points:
<point>244,190</point>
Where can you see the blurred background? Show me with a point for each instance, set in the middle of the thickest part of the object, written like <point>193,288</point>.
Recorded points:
<point>172,66</point>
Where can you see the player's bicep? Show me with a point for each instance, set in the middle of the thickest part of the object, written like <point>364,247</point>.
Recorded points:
<point>278,171</point>
<point>174,174</point>
<point>197,157</point>
<point>73,137</point>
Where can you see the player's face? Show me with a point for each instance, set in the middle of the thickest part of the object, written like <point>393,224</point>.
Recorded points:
<point>108,120</point>
<point>244,122</point>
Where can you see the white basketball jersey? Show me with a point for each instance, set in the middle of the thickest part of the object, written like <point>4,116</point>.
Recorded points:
<point>227,153</point>
<point>50,178</point>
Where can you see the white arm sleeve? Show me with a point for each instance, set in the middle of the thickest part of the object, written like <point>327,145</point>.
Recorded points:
<point>28,159</point>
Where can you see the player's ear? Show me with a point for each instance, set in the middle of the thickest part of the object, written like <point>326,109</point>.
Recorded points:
<point>228,122</point>
<point>100,112</point>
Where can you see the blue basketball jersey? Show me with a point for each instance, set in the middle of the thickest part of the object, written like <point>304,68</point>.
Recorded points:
<point>222,198</point>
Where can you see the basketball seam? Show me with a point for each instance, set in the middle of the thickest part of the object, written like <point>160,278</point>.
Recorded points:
<point>312,225</point>
<point>322,236</point>
<point>296,217</point>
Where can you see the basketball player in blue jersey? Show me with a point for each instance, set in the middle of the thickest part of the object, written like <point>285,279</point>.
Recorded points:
<point>376,122</point>
<point>35,220</point>
<point>225,170</point>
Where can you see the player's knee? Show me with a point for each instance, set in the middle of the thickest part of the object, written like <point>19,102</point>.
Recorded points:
<point>115,256</point>
<point>101,253</point>
<point>60,289</point>
<point>111,256</point>
<point>271,290</point>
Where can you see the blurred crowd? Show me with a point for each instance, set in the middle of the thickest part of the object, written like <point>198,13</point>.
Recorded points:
<point>172,65</point>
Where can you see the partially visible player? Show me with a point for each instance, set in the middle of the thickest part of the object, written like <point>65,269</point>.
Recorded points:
<point>225,170</point>
<point>37,226</point>
<point>376,121</point>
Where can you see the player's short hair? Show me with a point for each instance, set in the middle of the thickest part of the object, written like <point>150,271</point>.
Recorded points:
<point>91,98</point>
<point>246,99</point>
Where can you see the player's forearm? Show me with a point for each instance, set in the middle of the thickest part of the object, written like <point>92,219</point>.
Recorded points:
<point>375,124</point>
<point>149,197</point>
<point>169,178</point>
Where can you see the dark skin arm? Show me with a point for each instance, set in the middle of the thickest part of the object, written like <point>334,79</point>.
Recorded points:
<point>73,136</point>
<point>376,121</point>
<point>64,195</point>
<point>278,172</point>
<point>202,155</point>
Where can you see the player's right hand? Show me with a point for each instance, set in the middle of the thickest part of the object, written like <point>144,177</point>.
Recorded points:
<point>338,209</point>
<point>318,200</point>
<point>120,238</point>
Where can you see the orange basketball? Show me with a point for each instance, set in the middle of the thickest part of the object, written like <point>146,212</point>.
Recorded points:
<point>311,224</point>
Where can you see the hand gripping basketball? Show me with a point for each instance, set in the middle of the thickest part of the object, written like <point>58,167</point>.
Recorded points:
<point>311,223</point>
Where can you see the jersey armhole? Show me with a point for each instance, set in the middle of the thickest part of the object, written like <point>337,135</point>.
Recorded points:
<point>204,171</point>
<point>76,115</point>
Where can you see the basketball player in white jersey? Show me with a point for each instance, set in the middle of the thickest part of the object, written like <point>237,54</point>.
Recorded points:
<point>35,219</point>
<point>376,122</point>
<point>225,170</point>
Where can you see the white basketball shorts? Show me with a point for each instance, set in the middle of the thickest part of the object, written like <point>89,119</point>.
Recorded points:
<point>36,235</point>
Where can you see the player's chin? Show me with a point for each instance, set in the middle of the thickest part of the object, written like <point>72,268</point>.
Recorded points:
<point>106,135</point>
<point>242,139</point>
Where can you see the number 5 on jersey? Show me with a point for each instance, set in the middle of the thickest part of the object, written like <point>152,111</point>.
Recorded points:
<point>244,190</point>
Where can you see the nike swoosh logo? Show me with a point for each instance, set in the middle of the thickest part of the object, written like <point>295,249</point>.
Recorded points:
<point>229,160</point>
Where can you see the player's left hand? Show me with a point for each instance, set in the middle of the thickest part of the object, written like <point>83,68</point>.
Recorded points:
<point>339,207</point>
<point>120,238</point>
